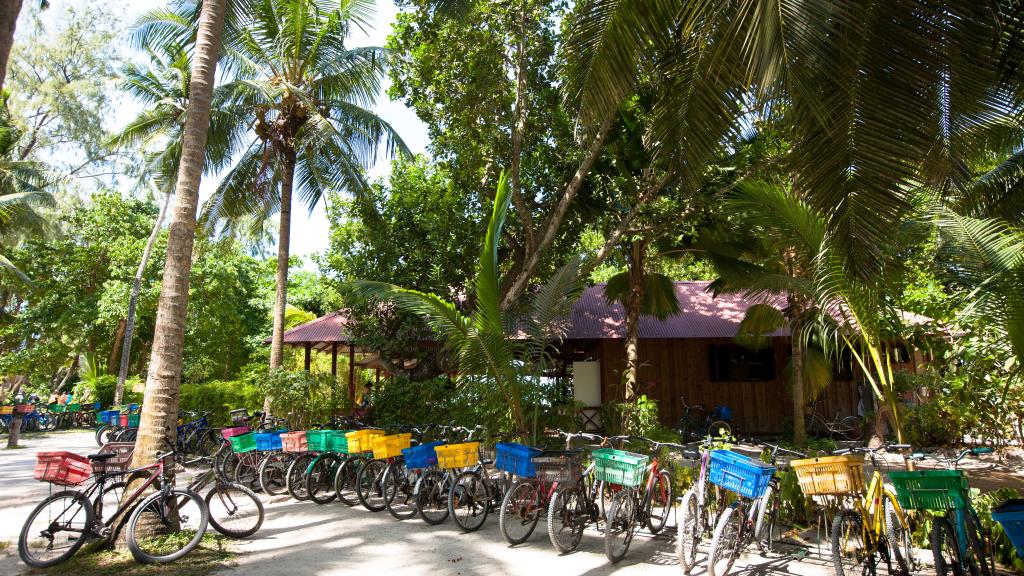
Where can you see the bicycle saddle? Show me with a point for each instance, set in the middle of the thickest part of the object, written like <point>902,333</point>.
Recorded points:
<point>102,457</point>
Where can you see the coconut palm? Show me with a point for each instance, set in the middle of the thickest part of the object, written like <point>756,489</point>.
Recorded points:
<point>9,12</point>
<point>22,192</point>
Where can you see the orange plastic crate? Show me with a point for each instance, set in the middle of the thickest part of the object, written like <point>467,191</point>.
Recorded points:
<point>63,468</point>
<point>294,442</point>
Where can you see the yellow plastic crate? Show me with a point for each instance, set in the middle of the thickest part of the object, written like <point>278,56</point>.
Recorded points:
<point>457,455</point>
<point>830,475</point>
<point>390,446</point>
<point>6,409</point>
<point>361,440</point>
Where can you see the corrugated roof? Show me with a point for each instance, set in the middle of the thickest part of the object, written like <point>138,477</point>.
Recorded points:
<point>701,315</point>
<point>321,332</point>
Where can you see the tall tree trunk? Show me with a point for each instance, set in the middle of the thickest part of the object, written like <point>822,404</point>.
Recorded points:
<point>634,301</point>
<point>517,134</point>
<point>797,349</point>
<point>160,405</point>
<point>67,376</point>
<point>14,428</point>
<point>283,248</point>
<point>115,348</point>
<point>9,10</point>
<point>133,301</point>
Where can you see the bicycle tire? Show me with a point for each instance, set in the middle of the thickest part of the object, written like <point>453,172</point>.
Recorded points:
<point>979,559</point>
<point>660,497</point>
<point>432,497</point>
<point>115,490</point>
<point>469,501</point>
<point>767,520</point>
<point>620,524</point>
<point>688,532</point>
<point>568,515</point>
<point>345,481</point>
<point>208,442</point>
<point>520,512</point>
<point>157,504</point>
<point>851,429</point>
<point>225,507</point>
<point>399,491</point>
<point>320,479</point>
<point>370,485</point>
<point>247,473</point>
<point>945,551</point>
<point>719,429</point>
<point>727,541</point>
<point>296,479</point>
<point>102,434</point>
<point>901,548</point>
<point>274,473</point>
<point>28,551</point>
<point>858,554</point>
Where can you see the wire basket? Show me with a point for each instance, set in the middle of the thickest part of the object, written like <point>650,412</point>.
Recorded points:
<point>453,456</point>
<point>931,489</point>
<point>562,466</point>
<point>830,475</point>
<point>516,459</point>
<point>62,468</point>
<point>294,442</point>
<point>118,463</point>
<point>745,476</point>
<point>619,467</point>
<point>361,440</point>
<point>390,446</point>
<point>244,443</point>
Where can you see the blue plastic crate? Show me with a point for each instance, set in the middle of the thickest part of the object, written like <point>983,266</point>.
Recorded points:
<point>111,416</point>
<point>1010,515</point>
<point>744,476</point>
<point>268,440</point>
<point>421,456</point>
<point>723,413</point>
<point>515,458</point>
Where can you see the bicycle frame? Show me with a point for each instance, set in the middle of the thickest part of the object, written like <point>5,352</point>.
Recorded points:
<point>126,503</point>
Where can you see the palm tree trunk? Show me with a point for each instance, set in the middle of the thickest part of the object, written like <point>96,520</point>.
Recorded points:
<point>634,301</point>
<point>9,10</point>
<point>160,405</point>
<point>797,349</point>
<point>115,348</point>
<point>283,239</point>
<point>133,301</point>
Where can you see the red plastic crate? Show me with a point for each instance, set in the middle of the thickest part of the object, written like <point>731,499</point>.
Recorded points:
<point>294,442</point>
<point>234,431</point>
<point>25,408</point>
<point>64,468</point>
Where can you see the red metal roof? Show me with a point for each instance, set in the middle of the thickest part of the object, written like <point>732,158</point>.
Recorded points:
<point>701,316</point>
<point>323,331</point>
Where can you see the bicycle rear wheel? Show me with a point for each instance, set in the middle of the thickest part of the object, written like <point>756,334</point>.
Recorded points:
<point>432,497</point>
<point>273,473</point>
<point>852,553</point>
<point>621,526</point>
<point>568,515</point>
<point>370,485</point>
<point>944,548</point>
<point>320,479</point>
<point>235,510</point>
<point>469,501</point>
<point>520,511</point>
<point>689,531</point>
<point>55,529</point>
<point>727,541</point>
<point>166,526</point>
<point>399,487</point>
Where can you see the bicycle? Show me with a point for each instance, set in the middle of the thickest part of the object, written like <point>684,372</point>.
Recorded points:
<point>873,526</point>
<point>748,479</point>
<point>959,543</point>
<point>844,427</point>
<point>576,505</point>
<point>540,474</point>
<point>632,507</point>
<point>697,422</point>
<point>699,510</point>
<point>162,527</point>
<point>436,487</point>
<point>766,525</point>
<point>234,509</point>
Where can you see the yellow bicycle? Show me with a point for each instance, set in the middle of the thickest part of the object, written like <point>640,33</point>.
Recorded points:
<point>871,525</point>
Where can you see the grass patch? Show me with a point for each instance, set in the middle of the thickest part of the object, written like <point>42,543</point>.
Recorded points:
<point>212,554</point>
<point>5,546</point>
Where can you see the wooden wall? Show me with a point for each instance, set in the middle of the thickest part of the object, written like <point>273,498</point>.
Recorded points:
<point>679,368</point>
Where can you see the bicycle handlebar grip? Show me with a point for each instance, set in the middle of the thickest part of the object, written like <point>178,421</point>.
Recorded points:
<point>898,446</point>
<point>982,450</point>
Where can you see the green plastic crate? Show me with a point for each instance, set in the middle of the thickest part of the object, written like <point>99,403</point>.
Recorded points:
<point>133,420</point>
<point>327,440</point>
<point>337,442</point>
<point>74,407</point>
<point>931,489</point>
<point>620,467</point>
<point>243,443</point>
<point>57,408</point>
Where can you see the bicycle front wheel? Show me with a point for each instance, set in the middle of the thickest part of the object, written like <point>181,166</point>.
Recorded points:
<point>901,549</point>
<point>296,478</point>
<point>852,554</point>
<point>727,542</point>
<point>235,510</point>
<point>945,549</point>
<point>432,497</point>
<point>247,471</point>
<point>167,526</point>
<point>345,481</point>
<point>469,501</point>
<point>399,487</point>
<point>273,473</point>
<point>370,485</point>
<point>689,531</point>
<point>520,511</point>
<point>978,556</point>
<point>320,479</point>
<point>766,529</point>
<point>660,502</point>
<point>568,515</point>
<point>55,530</point>
<point>621,525</point>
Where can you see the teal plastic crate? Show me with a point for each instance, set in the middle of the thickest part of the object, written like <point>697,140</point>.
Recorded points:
<point>620,467</point>
<point>931,489</point>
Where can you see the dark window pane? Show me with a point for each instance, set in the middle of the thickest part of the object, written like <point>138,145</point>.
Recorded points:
<point>729,363</point>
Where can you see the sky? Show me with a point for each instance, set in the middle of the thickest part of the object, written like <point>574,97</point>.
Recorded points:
<point>309,231</point>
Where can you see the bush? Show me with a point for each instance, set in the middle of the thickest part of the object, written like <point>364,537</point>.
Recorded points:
<point>219,397</point>
<point>101,389</point>
<point>930,424</point>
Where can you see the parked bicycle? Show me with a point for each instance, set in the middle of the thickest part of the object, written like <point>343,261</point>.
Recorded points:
<point>841,427</point>
<point>643,493</point>
<point>748,480</point>
<point>699,509</point>
<point>697,422</point>
<point>578,504</point>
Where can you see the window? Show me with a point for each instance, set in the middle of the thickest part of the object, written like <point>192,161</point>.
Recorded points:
<point>738,364</point>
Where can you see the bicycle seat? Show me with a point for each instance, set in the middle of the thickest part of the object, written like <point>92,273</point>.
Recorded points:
<point>487,461</point>
<point>102,457</point>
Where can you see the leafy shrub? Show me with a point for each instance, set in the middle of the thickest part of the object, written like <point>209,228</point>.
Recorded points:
<point>101,389</point>
<point>219,397</point>
<point>930,424</point>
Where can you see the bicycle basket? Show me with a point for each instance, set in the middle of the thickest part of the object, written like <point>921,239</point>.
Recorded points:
<point>133,420</point>
<point>421,456</point>
<point>338,442</point>
<point>360,440</point>
<point>55,408</point>
<point>294,442</point>
<point>227,433</point>
<point>931,489</point>
<point>1010,515</point>
<point>830,475</point>
<point>619,467</point>
<point>744,476</point>
<point>74,407</point>
<point>562,466</point>
<point>390,446</point>
<point>243,443</point>
<point>62,468</point>
<point>452,456</point>
<point>119,463</point>
<point>268,441</point>
<point>516,459</point>
<point>25,408</point>
<point>320,440</point>
<point>7,410</point>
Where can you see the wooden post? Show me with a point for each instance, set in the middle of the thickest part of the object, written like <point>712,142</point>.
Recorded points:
<point>334,359</point>
<point>309,350</point>
<point>376,378</point>
<point>334,378</point>
<point>352,375</point>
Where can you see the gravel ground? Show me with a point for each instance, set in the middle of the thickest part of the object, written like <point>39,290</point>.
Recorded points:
<point>302,537</point>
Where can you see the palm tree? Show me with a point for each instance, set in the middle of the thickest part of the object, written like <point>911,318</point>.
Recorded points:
<point>22,191</point>
<point>490,341</point>
<point>9,12</point>
<point>306,97</point>
<point>160,409</point>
